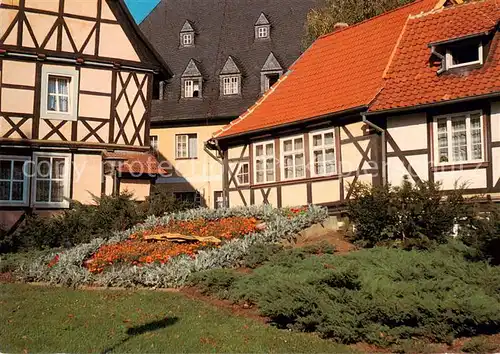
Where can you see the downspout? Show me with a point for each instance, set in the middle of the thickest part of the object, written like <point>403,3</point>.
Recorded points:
<point>442,58</point>
<point>213,144</point>
<point>384,146</point>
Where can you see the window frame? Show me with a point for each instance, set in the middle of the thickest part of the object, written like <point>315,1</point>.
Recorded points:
<point>449,118</point>
<point>66,179</point>
<point>262,32</point>
<point>293,153</point>
<point>26,181</point>
<point>265,157</point>
<point>66,72</point>
<point>239,173</point>
<point>188,151</point>
<point>157,144</point>
<point>193,81</point>
<point>183,42</point>
<point>449,58</point>
<point>230,84</point>
<point>324,147</point>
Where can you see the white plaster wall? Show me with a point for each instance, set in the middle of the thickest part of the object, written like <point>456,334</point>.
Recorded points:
<point>473,178</point>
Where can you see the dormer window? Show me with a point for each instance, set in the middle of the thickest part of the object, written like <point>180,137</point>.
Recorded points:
<point>187,39</point>
<point>464,55</point>
<point>230,79</point>
<point>270,73</point>
<point>262,28</point>
<point>192,88</point>
<point>191,81</point>
<point>262,32</point>
<point>461,52</point>
<point>187,35</point>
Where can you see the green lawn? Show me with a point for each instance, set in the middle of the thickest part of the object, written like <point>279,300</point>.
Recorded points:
<point>40,319</point>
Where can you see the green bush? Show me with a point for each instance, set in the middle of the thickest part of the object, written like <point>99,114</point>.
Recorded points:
<point>479,345</point>
<point>215,282</point>
<point>483,234</point>
<point>81,223</point>
<point>416,215</point>
<point>380,296</point>
<point>260,253</point>
<point>163,201</point>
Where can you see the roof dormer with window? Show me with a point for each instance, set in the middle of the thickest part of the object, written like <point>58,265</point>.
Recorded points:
<point>191,81</point>
<point>270,73</point>
<point>467,53</point>
<point>186,35</point>
<point>230,79</point>
<point>262,28</point>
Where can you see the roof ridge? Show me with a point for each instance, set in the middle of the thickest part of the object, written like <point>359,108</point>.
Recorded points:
<point>453,7</point>
<point>370,19</point>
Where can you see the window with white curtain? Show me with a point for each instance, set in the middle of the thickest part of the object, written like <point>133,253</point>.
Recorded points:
<point>230,85</point>
<point>59,92</point>
<point>13,180</point>
<point>323,152</point>
<point>264,165</point>
<point>186,146</point>
<point>459,138</point>
<point>51,179</point>
<point>292,157</point>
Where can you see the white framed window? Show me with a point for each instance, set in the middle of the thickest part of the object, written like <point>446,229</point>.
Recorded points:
<point>243,174</point>
<point>459,138</point>
<point>464,55</point>
<point>322,147</point>
<point>192,88</point>
<point>51,180</point>
<point>262,32</point>
<point>14,181</point>
<point>153,142</point>
<point>187,39</point>
<point>292,157</point>
<point>264,163</point>
<point>186,146</point>
<point>230,85</point>
<point>59,96</point>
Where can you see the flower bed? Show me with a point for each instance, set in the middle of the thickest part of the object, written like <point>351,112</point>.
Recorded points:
<point>281,224</point>
<point>137,251</point>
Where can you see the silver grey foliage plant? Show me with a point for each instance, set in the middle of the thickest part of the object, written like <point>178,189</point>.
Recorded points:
<point>70,271</point>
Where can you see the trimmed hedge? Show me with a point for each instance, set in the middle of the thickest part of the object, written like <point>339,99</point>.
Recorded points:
<point>69,270</point>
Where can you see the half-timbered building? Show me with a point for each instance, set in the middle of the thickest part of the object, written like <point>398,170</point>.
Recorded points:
<point>76,86</point>
<point>414,92</point>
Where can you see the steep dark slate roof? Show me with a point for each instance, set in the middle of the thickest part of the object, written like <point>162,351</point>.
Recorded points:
<point>224,29</point>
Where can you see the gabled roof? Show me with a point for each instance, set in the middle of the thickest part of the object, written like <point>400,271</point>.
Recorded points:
<point>262,20</point>
<point>187,27</point>
<point>411,81</point>
<point>139,39</point>
<point>230,67</point>
<point>339,72</point>
<point>271,64</point>
<point>222,28</point>
<point>191,70</point>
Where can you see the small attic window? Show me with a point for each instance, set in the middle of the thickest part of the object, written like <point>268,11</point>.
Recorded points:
<point>186,35</point>
<point>464,54</point>
<point>262,28</point>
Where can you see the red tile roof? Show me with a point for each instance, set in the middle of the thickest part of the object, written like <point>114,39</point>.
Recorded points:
<point>340,71</point>
<point>412,81</point>
<point>136,163</point>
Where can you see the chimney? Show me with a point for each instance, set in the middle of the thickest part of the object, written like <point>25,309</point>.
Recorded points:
<point>339,25</point>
